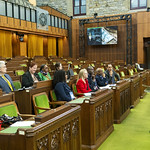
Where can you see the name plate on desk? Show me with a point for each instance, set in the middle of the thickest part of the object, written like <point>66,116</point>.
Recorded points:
<point>40,84</point>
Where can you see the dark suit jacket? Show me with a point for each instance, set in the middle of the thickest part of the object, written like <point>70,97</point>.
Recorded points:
<point>62,91</point>
<point>4,85</point>
<point>111,80</point>
<point>101,81</point>
<point>27,80</point>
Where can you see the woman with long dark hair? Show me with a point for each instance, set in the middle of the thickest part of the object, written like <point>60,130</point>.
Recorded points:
<point>62,90</point>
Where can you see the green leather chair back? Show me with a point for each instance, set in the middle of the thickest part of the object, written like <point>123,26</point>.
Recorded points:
<point>19,72</point>
<point>42,101</point>
<point>17,84</point>
<point>54,96</point>
<point>122,74</point>
<point>9,110</point>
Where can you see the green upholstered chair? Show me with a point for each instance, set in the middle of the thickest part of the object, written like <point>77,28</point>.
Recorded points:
<point>135,70</point>
<point>75,73</point>
<point>116,67</point>
<point>131,72</point>
<point>122,74</point>
<point>23,65</point>
<point>11,110</point>
<point>41,102</point>
<point>17,84</point>
<point>54,99</point>
<point>19,72</point>
<point>76,66</point>
<point>75,92</point>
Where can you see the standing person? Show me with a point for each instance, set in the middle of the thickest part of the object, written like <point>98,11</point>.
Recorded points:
<point>91,79</point>
<point>62,90</point>
<point>101,77</point>
<point>44,73</point>
<point>6,83</point>
<point>30,77</point>
<point>58,66</point>
<point>111,74</point>
<point>82,83</point>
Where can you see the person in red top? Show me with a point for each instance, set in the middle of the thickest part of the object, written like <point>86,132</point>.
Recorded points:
<point>82,83</point>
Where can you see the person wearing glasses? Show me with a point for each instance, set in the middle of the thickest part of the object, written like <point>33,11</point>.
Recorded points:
<point>44,73</point>
<point>6,83</point>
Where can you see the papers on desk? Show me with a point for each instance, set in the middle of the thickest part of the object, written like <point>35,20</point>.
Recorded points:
<point>79,100</point>
<point>23,123</point>
<point>87,94</point>
<point>109,86</point>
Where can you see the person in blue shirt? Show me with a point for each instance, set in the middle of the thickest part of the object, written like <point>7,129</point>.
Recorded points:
<point>91,79</point>
<point>62,90</point>
<point>100,77</point>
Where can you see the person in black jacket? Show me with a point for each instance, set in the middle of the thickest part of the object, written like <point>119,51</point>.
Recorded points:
<point>101,78</point>
<point>91,79</point>
<point>111,75</point>
<point>62,90</point>
<point>30,77</point>
<point>6,83</point>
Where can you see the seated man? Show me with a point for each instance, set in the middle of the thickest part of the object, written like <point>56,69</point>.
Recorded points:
<point>111,74</point>
<point>100,77</point>
<point>91,79</point>
<point>6,83</point>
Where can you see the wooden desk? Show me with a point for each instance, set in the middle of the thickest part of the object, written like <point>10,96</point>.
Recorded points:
<point>143,80</point>
<point>121,101</point>
<point>135,90</point>
<point>61,132</point>
<point>7,98</point>
<point>96,119</point>
<point>24,98</point>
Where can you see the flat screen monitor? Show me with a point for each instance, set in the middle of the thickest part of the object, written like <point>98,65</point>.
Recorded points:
<point>102,35</point>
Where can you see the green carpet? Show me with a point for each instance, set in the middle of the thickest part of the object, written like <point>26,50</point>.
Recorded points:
<point>134,132</point>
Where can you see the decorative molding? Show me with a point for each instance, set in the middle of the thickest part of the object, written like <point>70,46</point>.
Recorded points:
<point>66,132</point>
<point>55,140</point>
<point>42,144</point>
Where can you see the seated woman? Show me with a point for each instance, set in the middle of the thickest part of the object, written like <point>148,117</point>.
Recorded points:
<point>82,83</point>
<point>101,78</point>
<point>6,83</point>
<point>30,77</point>
<point>44,74</point>
<point>62,90</point>
<point>70,72</point>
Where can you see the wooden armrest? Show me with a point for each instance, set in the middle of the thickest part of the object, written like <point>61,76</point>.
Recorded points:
<point>26,115</point>
<point>79,94</point>
<point>42,108</point>
<point>58,102</point>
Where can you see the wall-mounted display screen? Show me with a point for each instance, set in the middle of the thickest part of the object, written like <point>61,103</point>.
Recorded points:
<point>102,35</point>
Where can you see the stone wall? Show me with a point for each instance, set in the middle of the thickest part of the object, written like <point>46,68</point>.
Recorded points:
<point>101,7</point>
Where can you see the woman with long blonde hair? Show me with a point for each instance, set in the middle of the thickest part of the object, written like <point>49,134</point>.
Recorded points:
<point>82,83</point>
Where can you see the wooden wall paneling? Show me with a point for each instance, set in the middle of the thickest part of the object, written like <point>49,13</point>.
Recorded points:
<point>66,47</point>
<point>3,20</point>
<point>16,23</point>
<point>45,46</point>
<point>60,47</point>
<point>10,22</point>
<point>33,26</point>
<point>23,24</point>
<point>15,45</point>
<point>29,25</point>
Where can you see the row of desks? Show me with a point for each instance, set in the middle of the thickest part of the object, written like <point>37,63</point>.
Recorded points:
<point>96,117</point>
